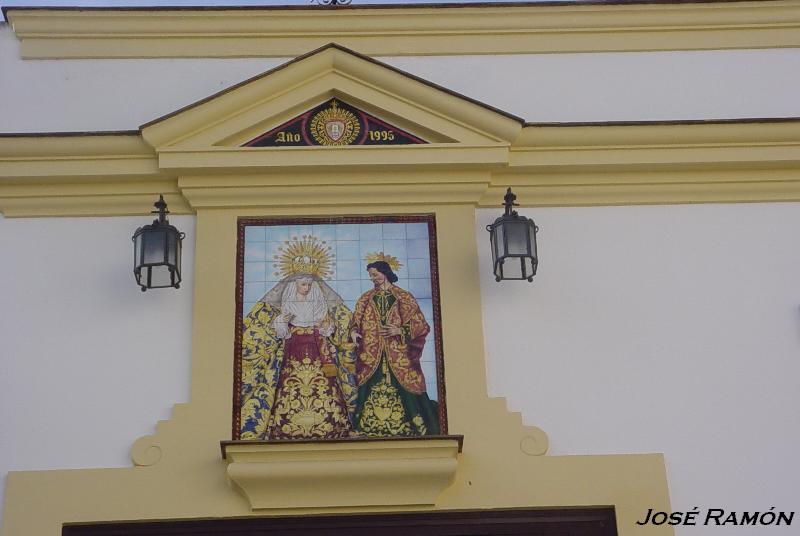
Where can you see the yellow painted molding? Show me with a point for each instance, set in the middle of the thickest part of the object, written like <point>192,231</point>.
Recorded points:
<point>656,163</point>
<point>374,187</point>
<point>335,177</point>
<point>87,144</point>
<point>397,472</point>
<point>42,205</point>
<point>110,174</point>
<point>652,157</point>
<point>239,113</point>
<point>647,194</point>
<point>337,159</point>
<point>334,195</point>
<point>407,30</point>
<point>548,165</point>
<point>658,133</point>
<point>145,451</point>
<point>107,156</point>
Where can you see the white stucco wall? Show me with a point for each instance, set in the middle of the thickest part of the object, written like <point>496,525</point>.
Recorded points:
<point>88,362</point>
<point>87,95</point>
<point>671,329</point>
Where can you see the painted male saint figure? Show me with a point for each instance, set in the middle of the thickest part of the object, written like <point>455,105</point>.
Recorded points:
<point>389,330</point>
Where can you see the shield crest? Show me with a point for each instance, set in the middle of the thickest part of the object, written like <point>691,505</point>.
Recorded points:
<point>335,129</point>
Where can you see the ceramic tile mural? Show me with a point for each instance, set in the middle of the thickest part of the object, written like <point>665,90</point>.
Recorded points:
<point>339,329</point>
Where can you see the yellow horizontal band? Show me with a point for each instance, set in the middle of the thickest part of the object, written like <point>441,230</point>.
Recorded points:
<point>407,30</point>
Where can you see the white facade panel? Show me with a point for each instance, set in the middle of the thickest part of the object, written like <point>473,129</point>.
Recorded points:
<point>88,362</point>
<point>91,95</point>
<point>671,329</point>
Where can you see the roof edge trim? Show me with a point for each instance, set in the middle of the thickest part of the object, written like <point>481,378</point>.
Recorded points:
<point>403,30</point>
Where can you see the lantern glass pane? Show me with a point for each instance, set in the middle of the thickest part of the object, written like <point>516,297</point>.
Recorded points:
<point>160,276</point>
<point>517,232</point>
<point>172,247</point>
<point>512,268</point>
<point>179,249</point>
<point>528,264</point>
<point>493,243</point>
<point>137,251</point>
<point>500,242</point>
<point>154,243</point>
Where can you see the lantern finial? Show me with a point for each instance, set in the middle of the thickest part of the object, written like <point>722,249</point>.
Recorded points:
<point>161,209</point>
<point>509,199</point>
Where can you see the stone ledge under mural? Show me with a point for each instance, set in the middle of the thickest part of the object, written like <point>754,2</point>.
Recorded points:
<point>350,472</point>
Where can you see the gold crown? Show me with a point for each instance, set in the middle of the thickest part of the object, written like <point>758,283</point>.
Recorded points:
<point>391,260</point>
<point>306,255</point>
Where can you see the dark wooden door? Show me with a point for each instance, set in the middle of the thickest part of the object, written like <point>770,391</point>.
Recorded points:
<point>596,521</point>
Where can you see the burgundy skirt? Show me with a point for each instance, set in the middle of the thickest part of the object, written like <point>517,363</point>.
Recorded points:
<point>308,399</point>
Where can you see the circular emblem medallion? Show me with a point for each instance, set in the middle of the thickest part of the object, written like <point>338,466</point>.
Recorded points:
<point>335,126</point>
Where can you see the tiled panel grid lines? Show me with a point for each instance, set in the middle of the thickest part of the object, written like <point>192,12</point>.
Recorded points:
<point>350,244</point>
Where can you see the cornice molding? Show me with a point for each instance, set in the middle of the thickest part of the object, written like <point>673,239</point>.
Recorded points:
<point>664,187</point>
<point>386,157</point>
<point>659,133</point>
<point>407,30</point>
<point>336,195</point>
<point>655,163</point>
<point>122,156</point>
<point>103,174</point>
<point>96,203</point>
<point>656,147</point>
<point>548,165</point>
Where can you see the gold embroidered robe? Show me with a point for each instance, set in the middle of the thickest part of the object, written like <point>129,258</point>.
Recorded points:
<point>403,352</point>
<point>262,360</point>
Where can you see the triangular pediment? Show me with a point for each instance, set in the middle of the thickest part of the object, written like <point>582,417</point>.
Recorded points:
<point>387,107</point>
<point>334,123</point>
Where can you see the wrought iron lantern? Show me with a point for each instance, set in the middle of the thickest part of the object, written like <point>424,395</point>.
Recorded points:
<point>157,251</point>
<point>513,239</point>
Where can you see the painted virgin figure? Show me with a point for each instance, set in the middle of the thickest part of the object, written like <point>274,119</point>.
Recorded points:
<point>297,363</point>
<point>389,330</point>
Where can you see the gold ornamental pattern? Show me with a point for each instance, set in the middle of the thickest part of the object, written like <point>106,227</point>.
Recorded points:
<point>402,353</point>
<point>335,126</point>
<point>308,407</point>
<point>384,414</point>
<point>308,255</point>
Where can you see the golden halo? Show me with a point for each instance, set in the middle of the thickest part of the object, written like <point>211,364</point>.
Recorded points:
<point>306,255</point>
<point>391,260</point>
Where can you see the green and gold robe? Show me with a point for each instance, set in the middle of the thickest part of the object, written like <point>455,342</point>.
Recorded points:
<point>392,398</point>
